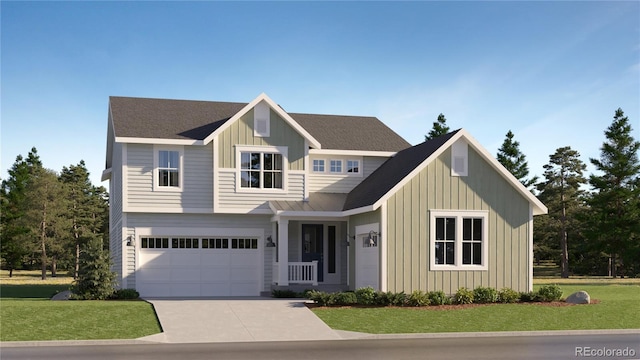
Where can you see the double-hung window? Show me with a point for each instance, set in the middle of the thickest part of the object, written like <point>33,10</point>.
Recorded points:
<point>458,240</point>
<point>168,169</point>
<point>261,170</point>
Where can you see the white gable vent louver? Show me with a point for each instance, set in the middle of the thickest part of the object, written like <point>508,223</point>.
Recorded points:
<point>261,120</point>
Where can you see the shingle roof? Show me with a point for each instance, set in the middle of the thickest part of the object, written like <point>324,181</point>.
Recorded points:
<point>391,172</point>
<point>195,120</point>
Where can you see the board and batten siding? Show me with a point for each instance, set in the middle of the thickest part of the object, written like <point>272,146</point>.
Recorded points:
<point>359,220</point>
<point>229,199</point>
<point>203,221</point>
<point>197,192</point>
<point>408,251</point>
<point>342,183</point>
<point>241,133</point>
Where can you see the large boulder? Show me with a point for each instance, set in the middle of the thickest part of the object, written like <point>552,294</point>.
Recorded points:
<point>580,297</point>
<point>63,295</point>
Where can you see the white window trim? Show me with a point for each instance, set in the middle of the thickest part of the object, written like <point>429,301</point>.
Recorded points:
<point>282,150</point>
<point>327,166</point>
<point>459,215</point>
<point>155,176</point>
<point>324,166</point>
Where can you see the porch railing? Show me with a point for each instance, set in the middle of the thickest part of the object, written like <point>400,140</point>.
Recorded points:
<point>303,272</point>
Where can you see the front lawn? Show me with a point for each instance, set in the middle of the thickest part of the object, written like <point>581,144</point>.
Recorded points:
<point>26,313</point>
<point>618,308</point>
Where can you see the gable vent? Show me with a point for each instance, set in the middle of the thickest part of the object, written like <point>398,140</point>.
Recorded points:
<point>261,120</point>
<point>459,158</point>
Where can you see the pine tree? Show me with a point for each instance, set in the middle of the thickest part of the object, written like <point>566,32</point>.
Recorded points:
<point>439,128</point>
<point>616,198</point>
<point>560,191</point>
<point>510,156</point>
<point>95,280</point>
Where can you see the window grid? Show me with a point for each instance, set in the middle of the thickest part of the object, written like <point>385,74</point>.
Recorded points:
<point>184,243</point>
<point>353,166</point>
<point>261,170</point>
<point>154,243</point>
<point>472,241</point>
<point>335,166</point>
<point>318,165</point>
<point>244,243</point>
<point>445,240</point>
<point>168,168</point>
<point>215,243</point>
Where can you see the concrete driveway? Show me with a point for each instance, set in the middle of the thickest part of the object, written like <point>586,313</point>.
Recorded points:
<point>232,320</point>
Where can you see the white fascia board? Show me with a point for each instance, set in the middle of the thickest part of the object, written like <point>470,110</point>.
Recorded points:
<point>352,152</point>
<point>161,210</point>
<point>360,210</point>
<point>225,210</point>
<point>157,141</point>
<point>283,114</point>
<point>106,174</point>
<point>538,207</point>
<point>315,215</point>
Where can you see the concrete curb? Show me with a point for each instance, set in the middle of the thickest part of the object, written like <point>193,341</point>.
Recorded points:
<point>344,335</point>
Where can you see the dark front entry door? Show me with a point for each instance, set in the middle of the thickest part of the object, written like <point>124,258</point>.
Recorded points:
<point>312,246</point>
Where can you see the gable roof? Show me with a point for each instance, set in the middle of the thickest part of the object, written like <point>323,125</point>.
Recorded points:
<point>191,122</point>
<point>398,170</point>
<point>391,173</point>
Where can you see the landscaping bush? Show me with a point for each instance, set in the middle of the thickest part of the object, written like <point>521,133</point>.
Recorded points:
<point>438,298</point>
<point>485,295</point>
<point>320,297</point>
<point>463,296</point>
<point>508,296</point>
<point>549,293</point>
<point>125,294</point>
<point>418,298</point>
<point>284,294</point>
<point>366,296</point>
<point>344,298</point>
<point>391,299</point>
<point>529,296</point>
<point>95,280</point>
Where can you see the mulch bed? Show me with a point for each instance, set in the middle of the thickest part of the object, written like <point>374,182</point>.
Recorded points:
<point>448,307</point>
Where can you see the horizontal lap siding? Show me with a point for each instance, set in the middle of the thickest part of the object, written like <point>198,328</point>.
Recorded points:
<point>115,211</point>
<point>434,188</point>
<point>197,192</point>
<point>340,183</point>
<point>228,198</point>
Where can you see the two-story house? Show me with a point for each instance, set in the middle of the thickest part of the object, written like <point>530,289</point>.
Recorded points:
<point>235,199</point>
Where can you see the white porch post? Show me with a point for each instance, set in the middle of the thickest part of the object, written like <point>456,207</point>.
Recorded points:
<point>283,252</point>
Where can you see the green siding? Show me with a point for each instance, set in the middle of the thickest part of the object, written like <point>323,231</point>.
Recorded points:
<point>241,133</point>
<point>435,189</point>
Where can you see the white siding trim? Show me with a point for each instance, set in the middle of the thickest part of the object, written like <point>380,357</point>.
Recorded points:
<point>106,174</point>
<point>159,141</point>
<point>530,252</point>
<point>216,177</point>
<point>123,251</point>
<point>328,152</point>
<point>124,182</point>
<point>307,170</point>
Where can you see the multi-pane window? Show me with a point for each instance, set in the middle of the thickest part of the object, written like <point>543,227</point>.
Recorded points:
<point>216,243</point>
<point>353,166</point>
<point>244,243</point>
<point>184,243</point>
<point>260,170</point>
<point>154,243</point>
<point>168,168</point>
<point>335,166</point>
<point>445,240</point>
<point>318,165</point>
<point>459,240</point>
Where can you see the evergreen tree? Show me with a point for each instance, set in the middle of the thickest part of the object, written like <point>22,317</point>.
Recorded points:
<point>510,156</point>
<point>13,244</point>
<point>439,128</point>
<point>95,280</point>
<point>615,202</point>
<point>560,191</point>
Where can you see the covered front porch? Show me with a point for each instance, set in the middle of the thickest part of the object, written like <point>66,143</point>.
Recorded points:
<point>311,244</point>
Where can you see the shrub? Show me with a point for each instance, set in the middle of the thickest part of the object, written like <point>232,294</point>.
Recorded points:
<point>391,299</point>
<point>439,298</point>
<point>507,296</point>
<point>418,298</point>
<point>485,295</point>
<point>549,293</point>
<point>286,294</point>
<point>529,296</point>
<point>125,294</point>
<point>320,297</point>
<point>344,298</point>
<point>366,296</point>
<point>95,280</point>
<point>463,296</point>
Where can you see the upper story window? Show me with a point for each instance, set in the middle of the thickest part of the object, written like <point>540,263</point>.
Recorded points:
<point>353,166</point>
<point>168,169</point>
<point>261,170</point>
<point>335,166</point>
<point>459,240</point>
<point>318,165</point>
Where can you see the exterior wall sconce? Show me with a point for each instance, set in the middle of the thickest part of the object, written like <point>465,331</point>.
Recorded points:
<point>270,243</point>
<point>373,238</point>
<point>349,238</point>
<point>130,241</point>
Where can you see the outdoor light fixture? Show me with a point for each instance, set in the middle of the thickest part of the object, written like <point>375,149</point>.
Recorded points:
<point>130,240</point>
<point>350,238</point>
<point>372,241</point>
<point>270,243</point>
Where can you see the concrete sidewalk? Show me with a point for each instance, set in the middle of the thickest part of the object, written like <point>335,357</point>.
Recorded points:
<point>237,320</point>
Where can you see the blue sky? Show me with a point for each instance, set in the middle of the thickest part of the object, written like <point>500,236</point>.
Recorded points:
<point>552,72</point>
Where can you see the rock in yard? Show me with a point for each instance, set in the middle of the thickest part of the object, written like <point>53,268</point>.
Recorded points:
<point>63,295</point>
<point>580,297</point>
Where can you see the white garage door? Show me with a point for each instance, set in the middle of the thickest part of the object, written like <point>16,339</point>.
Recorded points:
<point>182,267</point>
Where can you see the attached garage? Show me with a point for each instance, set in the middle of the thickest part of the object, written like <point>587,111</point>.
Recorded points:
<point>194,266</point>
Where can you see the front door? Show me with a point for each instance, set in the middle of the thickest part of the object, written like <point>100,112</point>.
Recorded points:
<point>313,246</point>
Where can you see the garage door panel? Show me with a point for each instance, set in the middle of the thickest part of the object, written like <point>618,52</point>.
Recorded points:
<point>243,257</point>
<point>185,289</point>
<point>248,289</point>
<point>155,258</point>
<point>215,274</point>
<point>155,275</point>
<point>185,274</point>
<point>215,289</point>
<point>188,258</point>
<point>243,274</point>
<point>215,259</point>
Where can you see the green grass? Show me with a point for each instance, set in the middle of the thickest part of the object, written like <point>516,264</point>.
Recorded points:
<point>27,314</point>
<point>618,309</point>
